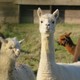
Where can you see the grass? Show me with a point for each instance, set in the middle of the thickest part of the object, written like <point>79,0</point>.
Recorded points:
<point>31,45</point>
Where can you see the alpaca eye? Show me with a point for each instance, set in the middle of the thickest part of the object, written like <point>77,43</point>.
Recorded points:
<point>10,47</point>
<point>53,22</point>
<point>62,39</point>
<point>41,21</point>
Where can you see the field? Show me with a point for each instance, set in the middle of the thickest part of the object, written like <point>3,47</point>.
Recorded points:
<point>31,46</point>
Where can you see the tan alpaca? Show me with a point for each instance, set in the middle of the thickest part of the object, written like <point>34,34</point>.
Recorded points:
<point>10,50</point>
<point>48,68</point>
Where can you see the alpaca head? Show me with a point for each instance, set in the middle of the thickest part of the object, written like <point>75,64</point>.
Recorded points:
<point>65,39</point>
<point>10,47</point>
<point>47,22</point>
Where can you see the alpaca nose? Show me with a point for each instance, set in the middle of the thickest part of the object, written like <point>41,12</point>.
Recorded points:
<point>47,24</point>
<point>18,50</point>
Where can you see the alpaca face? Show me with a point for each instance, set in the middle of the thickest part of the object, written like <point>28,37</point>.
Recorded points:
<point>47,22</point>
<point>10,47</point>
<point>65,39</point>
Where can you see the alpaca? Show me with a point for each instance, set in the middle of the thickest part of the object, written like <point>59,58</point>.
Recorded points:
<point>66,41</point>
<point>48,68</point>
<point>9,69</point>
<point>77,52</point>
<point>2,35</point>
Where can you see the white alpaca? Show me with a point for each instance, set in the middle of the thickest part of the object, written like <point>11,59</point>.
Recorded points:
<point>10,50</point>
<point>48,68</point>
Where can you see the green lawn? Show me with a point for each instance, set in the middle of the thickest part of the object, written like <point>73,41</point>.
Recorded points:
<point>31,45</point>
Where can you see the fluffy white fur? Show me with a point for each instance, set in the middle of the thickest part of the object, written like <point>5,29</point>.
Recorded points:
<point>48,68</point>
<point>9,70</point>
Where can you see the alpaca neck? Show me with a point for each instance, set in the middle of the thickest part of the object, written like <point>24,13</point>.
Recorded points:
<point>6,67</point>
<point>70,49</point>
<point>70,42</point>
<point>47,47</point>
<point>70,46</point>
<point>47,60</point>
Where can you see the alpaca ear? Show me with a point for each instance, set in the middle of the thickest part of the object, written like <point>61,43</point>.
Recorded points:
<point>14,38</point>
<point>69,33</point>
<point>39,12</point>
<point>2,40</point>
<point>21,41</point>
<point>56,13</point>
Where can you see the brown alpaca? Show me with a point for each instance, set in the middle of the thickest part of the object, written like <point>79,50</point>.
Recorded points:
<point>77,52</point>
<point>2,35</point>
<point>66,41</point>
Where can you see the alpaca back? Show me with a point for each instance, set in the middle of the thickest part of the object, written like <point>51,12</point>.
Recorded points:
<point>23,72</point>
<point>69,71</point>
